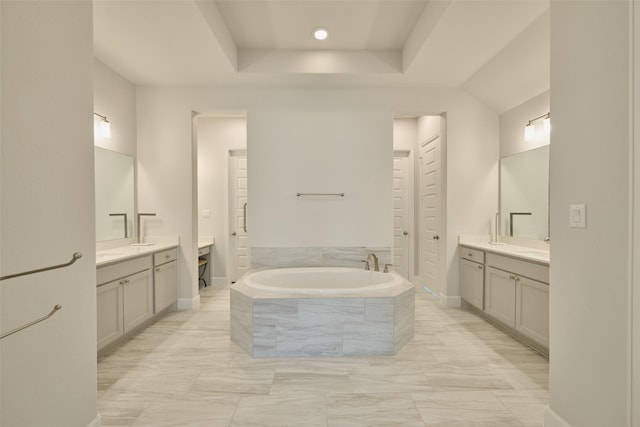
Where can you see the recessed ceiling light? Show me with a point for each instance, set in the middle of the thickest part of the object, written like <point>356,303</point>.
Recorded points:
<point>320,33</point>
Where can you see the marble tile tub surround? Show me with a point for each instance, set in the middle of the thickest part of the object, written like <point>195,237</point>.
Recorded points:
<point>283,325</point>
<point>458,370</point>
<point>344,256</point>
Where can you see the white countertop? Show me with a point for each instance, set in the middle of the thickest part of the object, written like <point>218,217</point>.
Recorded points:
<point>122,253</point>
<point>205,243</point>
<point>516,251</point>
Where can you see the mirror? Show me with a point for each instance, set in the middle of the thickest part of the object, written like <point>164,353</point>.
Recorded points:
<point>524,194</point>
<point>115,196</point>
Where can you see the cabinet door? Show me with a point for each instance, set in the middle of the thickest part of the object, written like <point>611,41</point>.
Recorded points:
<point>166,286</point>
<point>532,310</point>
<point>138,299</point>
<point>109,313</point>
<point>472,283</point>
<point>500,295</point>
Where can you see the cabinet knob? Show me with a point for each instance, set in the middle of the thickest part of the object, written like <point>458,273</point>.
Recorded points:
<point>167,256</point>
<point>480,267</point>
<point>470,254</point>
<point>158,269</point>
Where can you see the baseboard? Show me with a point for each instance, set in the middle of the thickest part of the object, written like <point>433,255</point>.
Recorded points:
<point>552,419</point>
<point>97,421</point>
<point>189,303</point>
<point>219,281</point>
<point>450,301</point>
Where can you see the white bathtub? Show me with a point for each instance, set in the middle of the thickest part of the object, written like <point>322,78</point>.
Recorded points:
<point>321,280</point>
<point>321,311</point>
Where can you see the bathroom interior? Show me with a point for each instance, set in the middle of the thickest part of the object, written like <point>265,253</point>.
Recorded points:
<point>178,146</point>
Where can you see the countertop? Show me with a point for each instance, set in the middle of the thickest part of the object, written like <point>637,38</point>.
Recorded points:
<point>512,250</point>
<point>205,243</point>
<point>122,253</point>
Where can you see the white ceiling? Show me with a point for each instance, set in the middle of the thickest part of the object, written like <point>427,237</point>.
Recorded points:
<point>497,50</point>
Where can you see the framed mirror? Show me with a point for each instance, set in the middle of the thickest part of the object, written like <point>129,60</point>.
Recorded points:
<point>524,194</point>
<point>115,195</point>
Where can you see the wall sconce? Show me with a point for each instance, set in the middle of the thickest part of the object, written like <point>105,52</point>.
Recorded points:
<point>104,127</point>
<point>530,131</point>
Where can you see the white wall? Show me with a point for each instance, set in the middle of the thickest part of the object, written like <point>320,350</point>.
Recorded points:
<point>216,136</point>
<point>165,149</point>
<point>590,268</point>
<point>49,370</point>
<point>321,142</point>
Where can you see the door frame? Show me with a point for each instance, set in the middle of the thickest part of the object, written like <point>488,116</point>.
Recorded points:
<point>411,205</point>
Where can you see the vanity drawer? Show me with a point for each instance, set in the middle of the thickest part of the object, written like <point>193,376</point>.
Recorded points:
<point>203,251</point>
<point>528,269</point>
<point>117,270</point>
<point>472,254</point>
<point>165,256</point>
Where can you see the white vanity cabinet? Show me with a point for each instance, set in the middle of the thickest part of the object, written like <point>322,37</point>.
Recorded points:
<point>517,295</point>
<point>124,298</point>
<point>165,279</point>
<point>472,276</point>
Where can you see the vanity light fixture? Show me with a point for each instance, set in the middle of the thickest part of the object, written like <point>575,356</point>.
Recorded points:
<point>320,33</point>
<point>530,130</point>
<point>104,127</point>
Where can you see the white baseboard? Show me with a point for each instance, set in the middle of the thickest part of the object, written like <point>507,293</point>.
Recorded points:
<point>552,419</point>
<point>97,421</point>
<point>450,301</point>
<point>189,303</point>
<point>219,281</point>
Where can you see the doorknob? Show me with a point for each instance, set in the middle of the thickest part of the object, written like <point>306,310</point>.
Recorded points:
<point>406,233</point>
<point>234,233</point>
<point>436,237</point>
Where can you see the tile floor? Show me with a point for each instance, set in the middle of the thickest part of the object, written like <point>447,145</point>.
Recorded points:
<point>458,370</point>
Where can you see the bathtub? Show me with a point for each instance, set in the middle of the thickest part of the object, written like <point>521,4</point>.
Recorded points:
<point>321,280</point>
<point>321,311</point>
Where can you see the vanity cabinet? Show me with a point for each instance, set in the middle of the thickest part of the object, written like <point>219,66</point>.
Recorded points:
<point>124,298</point>
<point>500,296</point>
<point>472,276</point>
<point>165,279</point>
<point>517,295</point>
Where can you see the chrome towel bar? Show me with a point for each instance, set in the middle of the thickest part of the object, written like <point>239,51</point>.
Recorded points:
<point>319,194</point>
<point>27,325</point>
<point>76,256</point>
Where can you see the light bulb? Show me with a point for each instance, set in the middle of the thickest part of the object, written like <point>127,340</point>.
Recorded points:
<point>320,33</point>
<point>529,132</point>
<point>105,129</point>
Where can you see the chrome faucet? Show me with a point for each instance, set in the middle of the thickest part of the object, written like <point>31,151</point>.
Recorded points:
<point>138,225</point>
<point>376,265</point>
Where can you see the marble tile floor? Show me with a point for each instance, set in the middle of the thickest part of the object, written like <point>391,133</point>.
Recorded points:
<point>458,370</point>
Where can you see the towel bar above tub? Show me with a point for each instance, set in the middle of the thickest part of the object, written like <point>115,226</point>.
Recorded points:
<point>319,194</point>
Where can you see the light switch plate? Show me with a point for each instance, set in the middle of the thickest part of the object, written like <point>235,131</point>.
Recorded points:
<point>578,216</point>
<point>206,213</point>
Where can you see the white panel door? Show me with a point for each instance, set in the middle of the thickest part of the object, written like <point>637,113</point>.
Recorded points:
<point>238,206</point>
<point>401,211</point>
<point>430,208</point>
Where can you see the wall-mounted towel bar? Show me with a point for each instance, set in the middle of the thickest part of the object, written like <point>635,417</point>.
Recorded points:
<point>27,325</point>
<point>76,256</point>
<point>319,194</point>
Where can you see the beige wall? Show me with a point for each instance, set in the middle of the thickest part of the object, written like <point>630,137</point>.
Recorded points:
<point>590,163</point>
<point>48,372</point>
